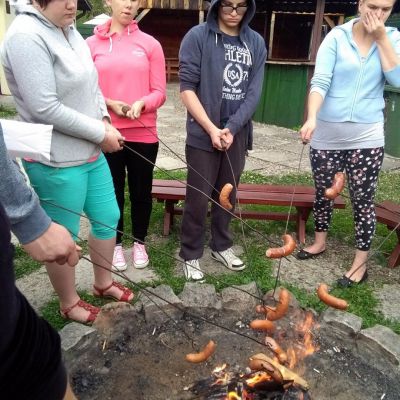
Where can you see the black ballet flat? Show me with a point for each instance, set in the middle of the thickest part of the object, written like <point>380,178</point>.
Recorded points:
<point>346,282</point>
<point>305,255</point>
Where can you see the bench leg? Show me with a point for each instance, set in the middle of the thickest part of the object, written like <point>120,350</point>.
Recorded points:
<point>394,258</point>
<point>301,221</point>
<point>168,216</point>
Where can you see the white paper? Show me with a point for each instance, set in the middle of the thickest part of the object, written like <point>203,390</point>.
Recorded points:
<point>27,140</point>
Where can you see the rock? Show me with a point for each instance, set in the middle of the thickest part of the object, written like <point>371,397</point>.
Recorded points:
<point>380,346</point>
<point>157,311</point>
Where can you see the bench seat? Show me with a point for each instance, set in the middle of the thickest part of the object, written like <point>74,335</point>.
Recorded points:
<point>388,213</point>
<point>170,192</point>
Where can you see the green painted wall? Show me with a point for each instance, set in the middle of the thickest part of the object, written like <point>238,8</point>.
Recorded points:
<point>283,96</point>
<point>85,30</point>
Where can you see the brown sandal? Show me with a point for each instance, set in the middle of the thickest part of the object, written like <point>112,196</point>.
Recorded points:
<point>125,292</point>
<point>94,311</point>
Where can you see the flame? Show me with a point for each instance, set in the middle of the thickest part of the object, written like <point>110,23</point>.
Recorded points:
<point>219,369</point>
<point>305,346</point>
<point>259,377</point>
<point>222,377</point>
<point>233,396</point>
<point>292,359</point>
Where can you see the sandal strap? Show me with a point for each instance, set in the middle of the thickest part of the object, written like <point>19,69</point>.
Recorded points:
<point>126,293</point>
<point>94,311</point>
<point>101,291</point>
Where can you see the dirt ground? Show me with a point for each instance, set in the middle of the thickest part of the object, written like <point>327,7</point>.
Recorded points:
<point>138,361</point>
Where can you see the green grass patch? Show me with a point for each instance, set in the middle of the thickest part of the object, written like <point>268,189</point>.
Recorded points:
<point>258,236</point>
<point>7,111</point>
<point>23,263</point>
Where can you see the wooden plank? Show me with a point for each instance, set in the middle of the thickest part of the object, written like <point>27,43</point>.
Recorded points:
<point>262,194</point>
<point>172,191</point>
<point>329,21</point>
<point>142,14</point>
<point>387,217</point>
<point>389,205</point>
<point>317,29</point>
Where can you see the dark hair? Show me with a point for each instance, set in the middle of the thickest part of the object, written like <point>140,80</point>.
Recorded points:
<point>43,3</point>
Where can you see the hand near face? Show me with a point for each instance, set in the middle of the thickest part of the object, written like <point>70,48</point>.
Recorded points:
<point>374,24</point>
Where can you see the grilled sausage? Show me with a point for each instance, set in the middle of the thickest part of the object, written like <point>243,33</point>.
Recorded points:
<point>337,186</point>
<point>281,309</point>
<point>285,250</point>
<point>279,352</point>
<point>330,300</point>
<point>262,325</point>
<point>224,196</point>
<point>203,355</point>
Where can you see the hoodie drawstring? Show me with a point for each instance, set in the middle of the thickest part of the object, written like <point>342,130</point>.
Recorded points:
<point>251,59</point>
<point>111,44</point>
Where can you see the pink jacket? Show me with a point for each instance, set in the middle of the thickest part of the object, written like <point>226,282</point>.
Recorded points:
<point>131,66</point>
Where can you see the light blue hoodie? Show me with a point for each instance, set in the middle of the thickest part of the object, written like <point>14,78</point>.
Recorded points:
<point>351,85</point>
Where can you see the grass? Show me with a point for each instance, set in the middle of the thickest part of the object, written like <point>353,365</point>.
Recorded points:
<point>362,300</point>
<point>7,112</point>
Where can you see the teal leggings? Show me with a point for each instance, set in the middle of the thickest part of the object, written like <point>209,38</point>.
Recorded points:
<point>88,187</point>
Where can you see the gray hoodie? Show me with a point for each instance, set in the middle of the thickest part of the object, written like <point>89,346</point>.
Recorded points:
<point>201,64</point>
<point>54,81</point>
<point>28,220</point>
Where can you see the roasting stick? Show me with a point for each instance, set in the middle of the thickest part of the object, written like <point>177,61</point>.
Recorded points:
<point>204,194</point>
<point>287,222</point>
<point>186,184</point>
<point>246,249</point>
<point>217,279</point>
<point>149,293</point>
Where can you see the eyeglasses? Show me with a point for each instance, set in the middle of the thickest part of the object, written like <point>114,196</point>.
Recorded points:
<point>240,10</point>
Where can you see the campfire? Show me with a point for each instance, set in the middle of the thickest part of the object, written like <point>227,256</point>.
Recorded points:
<point>141,354</point>
<point>267,376</point>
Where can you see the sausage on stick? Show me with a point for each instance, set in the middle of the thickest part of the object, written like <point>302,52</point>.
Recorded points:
<point>203,355</point>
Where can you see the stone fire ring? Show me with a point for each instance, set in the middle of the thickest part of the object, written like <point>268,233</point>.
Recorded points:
<point>137,352</point>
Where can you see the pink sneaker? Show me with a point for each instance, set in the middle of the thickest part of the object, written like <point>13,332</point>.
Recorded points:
<point>119,263</point>
<point>139,255</point>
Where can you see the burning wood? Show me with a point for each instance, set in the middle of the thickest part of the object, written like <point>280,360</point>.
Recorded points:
<point>277,371</point>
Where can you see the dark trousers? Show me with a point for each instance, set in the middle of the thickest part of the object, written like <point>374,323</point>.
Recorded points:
<point>139,166</point>
<point>214,170</point>
<point>30,352</point>
<point>362,168</point>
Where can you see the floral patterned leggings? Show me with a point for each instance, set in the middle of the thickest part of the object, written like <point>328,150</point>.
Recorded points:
<point>362,168</point>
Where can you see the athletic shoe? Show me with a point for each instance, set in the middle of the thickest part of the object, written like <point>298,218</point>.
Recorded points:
<point>192,270</point>
<point>228,258</point>
<point>119,263</point>
<point>139,255</point>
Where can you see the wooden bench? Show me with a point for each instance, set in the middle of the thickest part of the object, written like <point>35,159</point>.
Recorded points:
<point>388,213</point>
<point>171,68</point>
<point>171,191</point>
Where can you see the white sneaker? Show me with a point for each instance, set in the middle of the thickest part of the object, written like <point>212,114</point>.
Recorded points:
<point>139,255</point>
<point>119,263</point>
<point>192,270</point>
<point>228,258</point>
